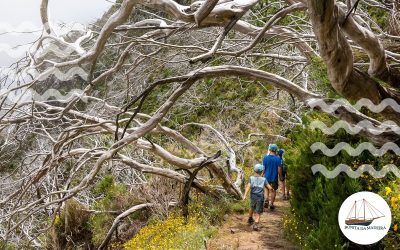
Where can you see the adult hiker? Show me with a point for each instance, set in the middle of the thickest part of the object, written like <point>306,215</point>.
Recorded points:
<point>284,188</point>
<point>256,185</point>
<point>272,168</point>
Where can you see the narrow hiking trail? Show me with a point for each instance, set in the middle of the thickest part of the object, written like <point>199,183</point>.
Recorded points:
<point>236,234</point>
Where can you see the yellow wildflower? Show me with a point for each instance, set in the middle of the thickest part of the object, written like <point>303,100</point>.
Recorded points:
<point>393,202</point>
<point>172,233</point>
<point>388,190</point>
<point>395,227</point>
<point>57,220</point>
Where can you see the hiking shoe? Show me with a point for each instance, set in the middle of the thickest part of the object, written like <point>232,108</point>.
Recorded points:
<point>266,203</point>
<point>255,227</point>
<point>272,207</point>
<point>250,220</point>
<point>285,197</point>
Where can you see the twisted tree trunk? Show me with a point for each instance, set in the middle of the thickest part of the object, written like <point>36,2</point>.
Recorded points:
<point>335,50</point>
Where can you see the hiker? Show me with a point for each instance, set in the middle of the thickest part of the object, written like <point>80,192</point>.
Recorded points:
<point>257,184</point>
<point>272,166</point>
<point>285,188</point>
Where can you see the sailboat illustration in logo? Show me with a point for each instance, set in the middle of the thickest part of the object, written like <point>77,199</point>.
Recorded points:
<point>362,213</point>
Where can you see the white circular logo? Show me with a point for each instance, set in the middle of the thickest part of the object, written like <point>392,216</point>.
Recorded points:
<point>364,218</point>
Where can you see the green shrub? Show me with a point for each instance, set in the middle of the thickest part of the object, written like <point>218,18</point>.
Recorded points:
<point>379,16</point>
<point>316,199</point>
<point>6,246</point>
<point>209,209</point>
<point>319,73</point>
<point>391,193</point>
<point>114,198</point>
<point>70,227</point>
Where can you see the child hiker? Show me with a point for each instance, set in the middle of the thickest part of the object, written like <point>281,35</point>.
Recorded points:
<point>257,184</point>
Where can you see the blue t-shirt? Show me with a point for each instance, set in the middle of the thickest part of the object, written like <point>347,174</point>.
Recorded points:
<point>271,164</point>
<point>257,184</point>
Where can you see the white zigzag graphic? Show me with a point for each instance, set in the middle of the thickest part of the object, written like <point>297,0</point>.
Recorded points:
<point>58,74</point>
<point>364,102</point>
<point>21,50</point>
<point>355,129</point>
<point>57,95</point>
<point>357,173</point>
<point>62,53</point>
<point>357,151</point>
<point>68,49</point>
<point>20,96</point>
<point>35,74</point>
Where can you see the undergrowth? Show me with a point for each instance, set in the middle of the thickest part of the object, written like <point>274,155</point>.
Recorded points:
<point>173,232</point>
<point>312,222</point>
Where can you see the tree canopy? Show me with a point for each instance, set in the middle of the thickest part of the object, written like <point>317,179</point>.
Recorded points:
<point>131,89</point>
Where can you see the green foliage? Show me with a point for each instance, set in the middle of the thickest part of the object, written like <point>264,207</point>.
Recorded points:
<point>215,96</point>
<point>379,16</point>
<point>217,61</point>
<point>263,11</point>
<point>240,206</point>
<point>318,73</point>
<point>391,193</point>
<point>267,9</point>
<point>105,186</point>
<point>315,199</point>
<point>210,210</point>
<point>6,246</point>
<point>156,98</point>
<point>255,155</point>
<point>114,198</point>
<point>70,227</point>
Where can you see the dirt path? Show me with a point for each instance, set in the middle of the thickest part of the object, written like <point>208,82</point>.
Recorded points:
<point>235,233</point>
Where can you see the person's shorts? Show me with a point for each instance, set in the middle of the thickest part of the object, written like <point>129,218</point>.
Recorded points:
<point>283,178</point>
<point>257,205</point>
<point>274,184</point>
